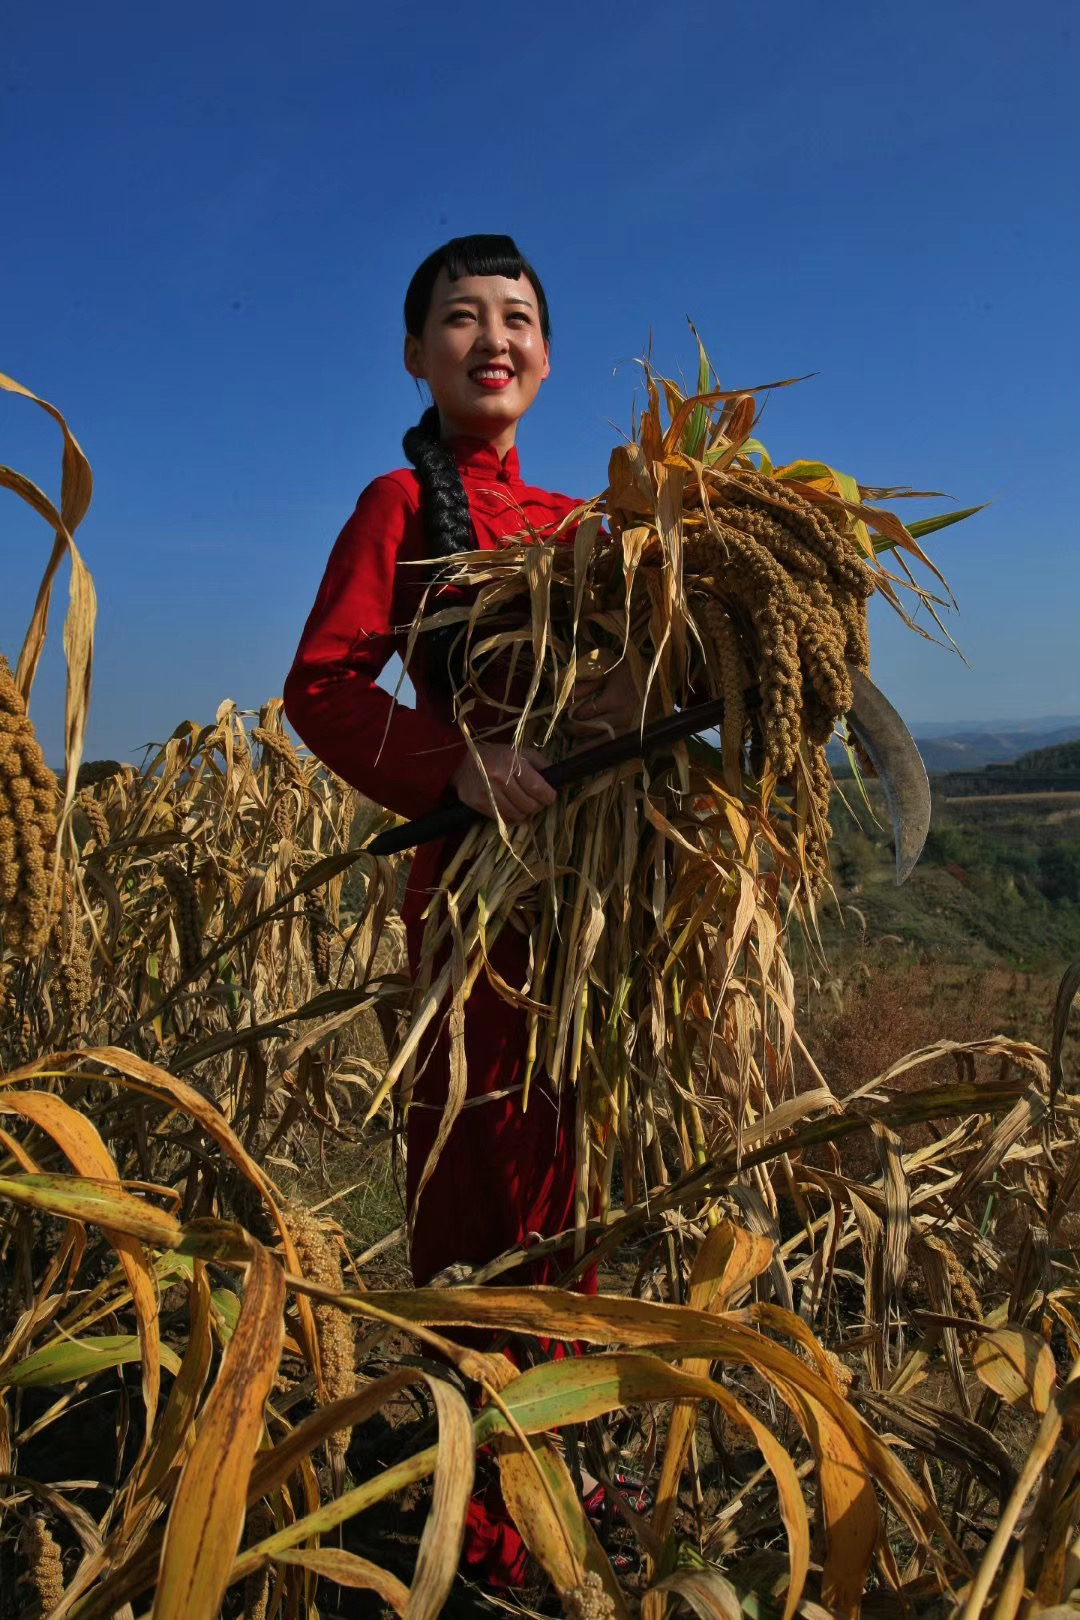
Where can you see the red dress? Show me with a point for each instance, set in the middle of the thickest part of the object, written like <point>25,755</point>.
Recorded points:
<point>504,1176</point>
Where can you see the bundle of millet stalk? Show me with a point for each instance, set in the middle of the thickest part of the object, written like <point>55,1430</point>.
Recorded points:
<point>656,897</point>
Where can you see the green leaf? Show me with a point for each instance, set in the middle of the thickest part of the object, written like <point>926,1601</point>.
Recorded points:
<point>754,447</point>
<point>944,521</point>
<point>67,1360</point>
<point>693,441</point>
<point>807,471</point>
<point>226,1308</point>
<point>857,774</point>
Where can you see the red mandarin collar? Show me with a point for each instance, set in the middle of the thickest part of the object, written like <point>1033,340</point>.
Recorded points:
<point>478,459</point>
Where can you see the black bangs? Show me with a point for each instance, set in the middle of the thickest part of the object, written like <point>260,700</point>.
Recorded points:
<point>482,256</point>
<point>470,256</point>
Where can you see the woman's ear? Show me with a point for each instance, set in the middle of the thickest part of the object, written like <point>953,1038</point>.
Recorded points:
<point>414,356</point>
<point>547,361</point>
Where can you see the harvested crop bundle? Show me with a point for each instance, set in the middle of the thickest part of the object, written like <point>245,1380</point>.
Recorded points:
<point>655,898</point>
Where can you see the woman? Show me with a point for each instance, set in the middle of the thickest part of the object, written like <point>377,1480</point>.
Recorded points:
<point>478,334</point>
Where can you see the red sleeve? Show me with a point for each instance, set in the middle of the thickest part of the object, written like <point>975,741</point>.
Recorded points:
<point>402,758</point>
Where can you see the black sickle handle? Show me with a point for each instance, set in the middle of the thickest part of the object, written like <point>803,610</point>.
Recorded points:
<point>457,818</point>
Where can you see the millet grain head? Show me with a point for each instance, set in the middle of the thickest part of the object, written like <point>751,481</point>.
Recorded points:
<point>29,808</point>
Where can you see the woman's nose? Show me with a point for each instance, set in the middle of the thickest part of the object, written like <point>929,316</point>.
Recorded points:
<point>493,340</point>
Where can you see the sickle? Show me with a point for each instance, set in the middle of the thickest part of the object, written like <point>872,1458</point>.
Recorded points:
<point>899,765</point>
<point>872,718</point>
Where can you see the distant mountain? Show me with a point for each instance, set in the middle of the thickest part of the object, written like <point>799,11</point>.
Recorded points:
<point>1046,725</point>
<point>971,751</point>
<point>972,748</point>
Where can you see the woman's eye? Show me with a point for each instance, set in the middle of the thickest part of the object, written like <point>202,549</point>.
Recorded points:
<point>457,316</point>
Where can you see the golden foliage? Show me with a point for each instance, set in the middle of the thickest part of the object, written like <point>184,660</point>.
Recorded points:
<point>861,1386</point>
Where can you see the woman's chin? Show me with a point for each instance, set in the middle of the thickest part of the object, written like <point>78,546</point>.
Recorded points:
<point>486,423</point>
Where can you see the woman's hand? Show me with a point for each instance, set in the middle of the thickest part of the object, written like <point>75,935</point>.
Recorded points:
<point>605,705</point>
<point>513,780</point>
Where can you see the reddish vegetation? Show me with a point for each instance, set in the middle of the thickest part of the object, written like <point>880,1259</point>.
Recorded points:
<point>883,1012</point>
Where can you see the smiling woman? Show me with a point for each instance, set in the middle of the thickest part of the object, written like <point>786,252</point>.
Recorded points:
<point>483,350</point>
<point>494,1175</point>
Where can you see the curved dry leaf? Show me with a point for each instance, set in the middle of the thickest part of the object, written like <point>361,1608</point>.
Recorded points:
<point>321,1521</point>
<point>708,1593</point>
<point>436,1565</point>
<point>547,1397</point>
<point>207,1516</point>
<point>76,489</point>
<point>178,1418</point>
<point>159,1083</point>
<point>444,1528</point>
<point>273,1466</point>
<point>349,1569</point>
<point>724,1266</point>
<point>80,1140</point>
<point>88,1533</point>
<point>560,1537</point>
<point>1017,1365</point>
<point>848,1502</point>
<point>573,1391</point>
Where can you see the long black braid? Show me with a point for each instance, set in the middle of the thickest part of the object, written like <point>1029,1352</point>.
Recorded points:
<point>447,520</point>
<point>448,528</point>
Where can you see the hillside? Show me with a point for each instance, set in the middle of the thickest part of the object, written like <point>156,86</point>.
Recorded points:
<point>1063,757</point>
<point>999,881</point>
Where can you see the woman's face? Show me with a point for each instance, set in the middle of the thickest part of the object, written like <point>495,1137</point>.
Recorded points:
<point>482,354</point>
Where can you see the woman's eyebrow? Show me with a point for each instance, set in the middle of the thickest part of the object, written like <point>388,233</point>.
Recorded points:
<point>473,298</point>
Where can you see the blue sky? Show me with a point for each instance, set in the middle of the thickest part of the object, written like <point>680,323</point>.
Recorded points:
<point>212,212</point>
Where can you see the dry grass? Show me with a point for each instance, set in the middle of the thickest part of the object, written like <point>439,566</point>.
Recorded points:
<point>850,1335</point>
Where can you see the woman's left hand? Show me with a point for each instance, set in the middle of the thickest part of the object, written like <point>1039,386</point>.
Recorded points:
<point>605,705</point>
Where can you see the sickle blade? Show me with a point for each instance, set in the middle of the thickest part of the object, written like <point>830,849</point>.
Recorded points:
<point>899,765</point>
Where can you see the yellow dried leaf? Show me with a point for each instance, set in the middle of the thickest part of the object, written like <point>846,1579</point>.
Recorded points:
<point>208,1509</point>
<point>545,1532</point>
<point>1017,1365</point>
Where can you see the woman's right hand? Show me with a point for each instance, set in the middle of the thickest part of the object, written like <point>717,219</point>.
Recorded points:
<point>513,780</point>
